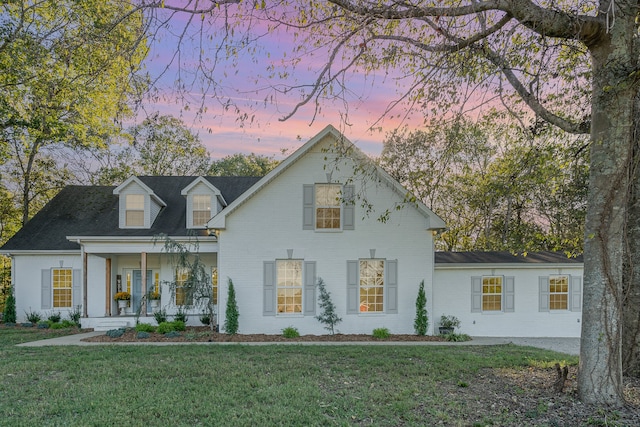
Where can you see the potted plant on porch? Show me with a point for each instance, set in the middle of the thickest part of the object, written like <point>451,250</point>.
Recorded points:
<point>122,298</point>
<point>448,324</point>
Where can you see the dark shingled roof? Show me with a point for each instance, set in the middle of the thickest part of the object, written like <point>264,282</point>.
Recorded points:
<point>479,257</point>
<point>93,211</point>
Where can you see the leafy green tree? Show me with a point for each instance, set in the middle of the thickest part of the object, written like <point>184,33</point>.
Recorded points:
<point>421,322</point>
<point>328,315</point>
<point>160,145</point>
<point>232,317</point>
<point>496,186</point>
<point>72,74</point>
<point>243,165</point>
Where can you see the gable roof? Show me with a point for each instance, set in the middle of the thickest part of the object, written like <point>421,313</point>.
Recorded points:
<point>93,211</point>
<point>504,257</point>
<point>434,221</point>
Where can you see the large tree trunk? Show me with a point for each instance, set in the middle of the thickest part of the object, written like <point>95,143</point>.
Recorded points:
<point>614,93</point>
<point>631,279</point>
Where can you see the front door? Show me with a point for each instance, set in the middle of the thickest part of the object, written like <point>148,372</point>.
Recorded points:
<point>136,291</point>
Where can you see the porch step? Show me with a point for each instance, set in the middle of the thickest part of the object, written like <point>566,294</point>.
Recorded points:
<point>108,324</point>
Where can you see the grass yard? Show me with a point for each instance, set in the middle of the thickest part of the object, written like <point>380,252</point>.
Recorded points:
<point>238,385</point>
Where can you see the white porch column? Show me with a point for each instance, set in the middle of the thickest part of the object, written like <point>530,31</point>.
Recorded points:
<point>143,267</point>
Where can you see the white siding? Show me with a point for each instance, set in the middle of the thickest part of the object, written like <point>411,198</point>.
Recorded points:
<point>269,223</point>
<point>452,296</point>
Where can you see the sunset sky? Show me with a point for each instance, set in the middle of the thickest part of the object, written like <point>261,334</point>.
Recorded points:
<point>267,135</point>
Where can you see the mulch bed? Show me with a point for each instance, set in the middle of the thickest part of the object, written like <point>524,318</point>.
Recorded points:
<point>204,334</point>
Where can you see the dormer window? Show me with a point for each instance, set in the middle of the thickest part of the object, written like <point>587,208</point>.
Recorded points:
<point>204,201</point>
<point>134,210</point>
<point>201,209</point>
<point>138,204</point>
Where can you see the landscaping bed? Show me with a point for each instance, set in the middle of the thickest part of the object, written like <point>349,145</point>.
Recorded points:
<point>204,334</point>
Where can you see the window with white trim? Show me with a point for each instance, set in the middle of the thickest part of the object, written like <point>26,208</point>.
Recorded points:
<point>371,285</point>
<point>289,286</point>
<point>328,206</point>
<point>559,292</point>
<point>201,209</point>
<point>492,293</point>
<point>62,282</point>
<point>134,210</point>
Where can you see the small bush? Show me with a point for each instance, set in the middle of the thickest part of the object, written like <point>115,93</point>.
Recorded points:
<point>27,325</point>
<point>43,325</point>
<point>74,315</point>
<point>453,337</point>
<point>142,335</point>
<point>181,315</point>
<point>165,327</point>
<point>33,316</point>
<point>381,333</point>
<point>115,333</point>
<point>328,315</point>
<point>173,334</point>
<point>290,332</point>
<point>66,323</point>
<point>145,327</point>
<point>54,325</point>
<point>205,319</point>
<point>160,316</point>
<point>54,317</point>
<point>179,325</point>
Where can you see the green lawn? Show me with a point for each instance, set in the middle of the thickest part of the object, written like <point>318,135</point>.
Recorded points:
<point>235,385</point>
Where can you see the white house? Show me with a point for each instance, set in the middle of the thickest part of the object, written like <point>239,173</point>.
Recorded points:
<point>325,212</point>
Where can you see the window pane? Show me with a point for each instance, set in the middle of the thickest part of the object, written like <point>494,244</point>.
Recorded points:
<point>492,293</point>
<point>372,285</point>
<point>289,283</point>
<point>135,218</point>
<point>328,206</point>
<point>135,201</point>
<point>62,283</point>
<point>201,209</point>
<point>558,292</point>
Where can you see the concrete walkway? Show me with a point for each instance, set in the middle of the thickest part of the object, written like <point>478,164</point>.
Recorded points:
<point>562,345</point>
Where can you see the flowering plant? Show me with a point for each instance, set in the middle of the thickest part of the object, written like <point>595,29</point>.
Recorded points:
<point>154,295</point>
<point>122,296</point>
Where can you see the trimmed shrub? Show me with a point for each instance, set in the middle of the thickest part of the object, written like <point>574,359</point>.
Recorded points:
<point>43,325</point>
<point>115,333</point>
<point>179,325</point>
<point>165,327</point>
<point>54,317</point>
<point>145,327</point>
<point>9,315</point>
<point>421,322</point>
<point>27,325</point>
<point>66,323</point>
<point>205,319</point>
<point>290,332</point>
<point>160,316</point>
<point>231,322</point>
<point>181,316</point>
<point>173,334</point>
<point>33,316</point>
<point>381,333</point>
<point>142,335</point>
